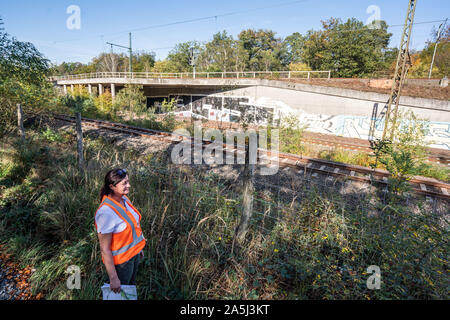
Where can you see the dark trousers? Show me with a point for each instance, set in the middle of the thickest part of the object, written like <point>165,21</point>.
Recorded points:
<point>127,271</point>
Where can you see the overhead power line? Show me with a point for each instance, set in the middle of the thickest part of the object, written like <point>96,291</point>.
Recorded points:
<point>354,30</point>
<point>388,26</point>
<point>215,17</point>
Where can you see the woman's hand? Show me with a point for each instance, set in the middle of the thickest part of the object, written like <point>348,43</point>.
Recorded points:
<point>115,285</point>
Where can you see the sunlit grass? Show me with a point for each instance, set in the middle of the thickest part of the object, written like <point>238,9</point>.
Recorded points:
<point>317,247</point>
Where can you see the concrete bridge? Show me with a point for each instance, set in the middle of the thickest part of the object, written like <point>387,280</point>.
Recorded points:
<point>113,80</point>
<point>310,98</point>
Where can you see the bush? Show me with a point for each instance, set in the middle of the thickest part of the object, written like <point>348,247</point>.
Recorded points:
<point>405,156</point>
<point>104,103</point>
<point>291,134</point>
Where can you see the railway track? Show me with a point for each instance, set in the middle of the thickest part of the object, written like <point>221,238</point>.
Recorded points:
<point>300,164</point>
<point>359,145</point>
<point>439,156</point>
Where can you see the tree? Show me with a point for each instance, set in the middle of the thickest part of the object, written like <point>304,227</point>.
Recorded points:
<point>420,67</point>
<point>133,96</point>
<point>219,53</point>
<point>241,56</point>
<point>65,68</point>
<point>421,61</point>
<point>23,78</point>
<point>143,61</point>
<point>442,59</point>
<point>108,62</point>
<point>348,49</point>
<point>180,56</point>
<point>264,50</point>
<point>294,45</point>
<point>164,66</point>
<point>105,104</point>
<point>299,66</point>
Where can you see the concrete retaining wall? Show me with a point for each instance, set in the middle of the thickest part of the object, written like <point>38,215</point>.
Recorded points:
<point>336,101</point>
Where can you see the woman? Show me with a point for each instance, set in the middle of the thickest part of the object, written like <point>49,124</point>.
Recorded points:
<point>119,231</point>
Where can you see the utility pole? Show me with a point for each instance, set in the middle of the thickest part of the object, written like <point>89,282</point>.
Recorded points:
<point>441,27</point>
<point>193,61</point>
<point>401,70</point>
<point>130,50</point>
<point>389,113</point>
<point>131,55</point>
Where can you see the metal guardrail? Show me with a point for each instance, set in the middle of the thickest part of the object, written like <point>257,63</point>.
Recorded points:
<point>200,75</point>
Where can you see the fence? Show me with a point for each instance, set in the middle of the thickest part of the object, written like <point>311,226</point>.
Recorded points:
<point>321,234</point>
<point>200,75</point>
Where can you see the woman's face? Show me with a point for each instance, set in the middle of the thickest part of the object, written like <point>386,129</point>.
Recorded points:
<point>122,188</point>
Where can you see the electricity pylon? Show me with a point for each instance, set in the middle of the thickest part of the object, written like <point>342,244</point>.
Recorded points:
<point>390,111</point>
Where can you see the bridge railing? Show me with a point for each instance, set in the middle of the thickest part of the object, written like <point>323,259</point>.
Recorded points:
<point>200,75</point>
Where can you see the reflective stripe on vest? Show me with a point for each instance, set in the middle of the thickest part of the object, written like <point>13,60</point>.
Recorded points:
<point>136,239</point>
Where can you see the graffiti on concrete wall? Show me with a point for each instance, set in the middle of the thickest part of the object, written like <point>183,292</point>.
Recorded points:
<point>265,110</point>
<point>438,135</point>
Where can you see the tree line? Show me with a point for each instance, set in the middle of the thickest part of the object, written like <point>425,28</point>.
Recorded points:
<point>349,49</point>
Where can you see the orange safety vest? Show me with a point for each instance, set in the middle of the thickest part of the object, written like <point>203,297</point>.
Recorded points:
<point>129,242</point>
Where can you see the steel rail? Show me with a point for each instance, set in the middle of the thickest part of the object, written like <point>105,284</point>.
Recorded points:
<point>420,185</point>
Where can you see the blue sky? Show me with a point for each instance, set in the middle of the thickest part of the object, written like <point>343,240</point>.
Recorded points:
<point>44,22</point>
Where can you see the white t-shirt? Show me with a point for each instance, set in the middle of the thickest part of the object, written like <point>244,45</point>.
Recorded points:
<point>108,221</point>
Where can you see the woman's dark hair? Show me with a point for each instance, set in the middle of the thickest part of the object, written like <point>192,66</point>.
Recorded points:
<point>112,177</point>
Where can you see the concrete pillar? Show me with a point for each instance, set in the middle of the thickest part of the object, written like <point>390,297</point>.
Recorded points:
<point>90,89</point>
<point>113,90</point>
<point>65,89</point>
<point>71,87</point>
<point>100,89</point>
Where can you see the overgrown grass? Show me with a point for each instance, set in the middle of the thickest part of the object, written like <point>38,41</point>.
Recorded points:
<point>430,170</point>
<point>315,245</point>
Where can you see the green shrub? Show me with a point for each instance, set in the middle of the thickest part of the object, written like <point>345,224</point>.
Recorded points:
<point>291,135</point>
<point>52,136</point>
